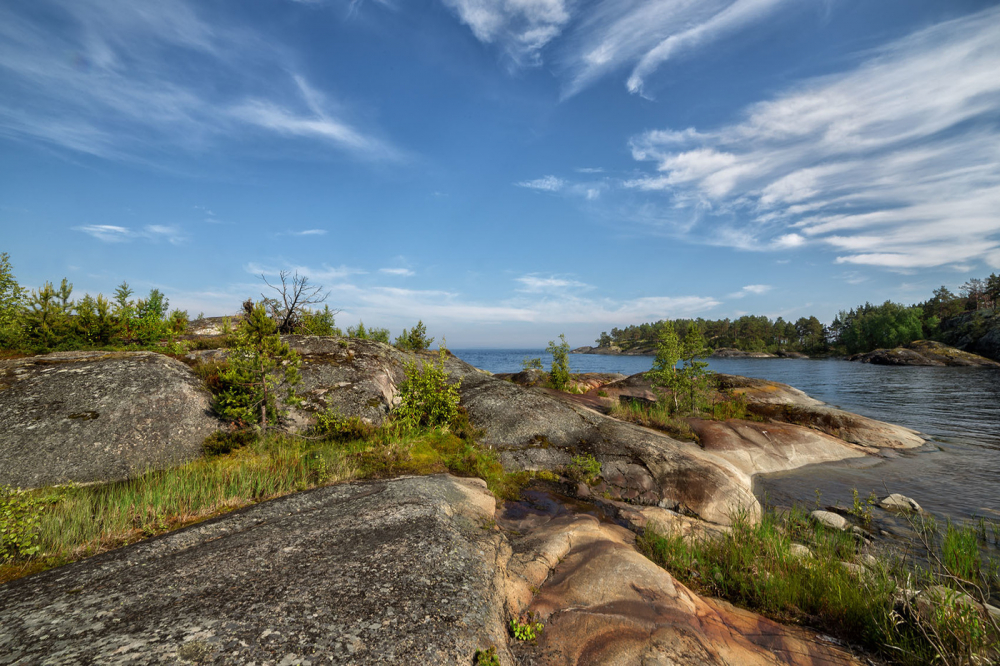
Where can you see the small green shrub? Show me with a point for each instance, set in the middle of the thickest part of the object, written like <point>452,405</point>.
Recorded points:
<point>527,630</point>
<point>559,374</point>
<point>531,363</point>
<point>222,442</point>
<point>332,425</point>
<point>20,519</point>
<point>862,510</point>
<point>427,399</point>
<point>487,657</point>
<point>585,468</point>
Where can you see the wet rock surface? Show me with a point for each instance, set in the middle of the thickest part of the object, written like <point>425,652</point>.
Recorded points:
<point>98,416</point>
<point>399,571</point>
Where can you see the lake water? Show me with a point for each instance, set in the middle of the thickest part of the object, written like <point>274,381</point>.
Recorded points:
<point>956,475</point>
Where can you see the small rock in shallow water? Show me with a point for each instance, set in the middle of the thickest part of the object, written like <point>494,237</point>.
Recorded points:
<point>897,502</point>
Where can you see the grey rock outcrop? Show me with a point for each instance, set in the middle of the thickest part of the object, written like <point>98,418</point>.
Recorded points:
<point>98,416</point>
<point>398,571</point>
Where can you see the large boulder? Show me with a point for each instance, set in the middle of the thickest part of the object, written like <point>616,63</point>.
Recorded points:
<point>396,571</point>
<point>98,416</point>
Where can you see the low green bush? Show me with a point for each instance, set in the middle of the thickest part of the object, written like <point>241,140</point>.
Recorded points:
<point>20,519</point>
<point>584,468</point>
<point>332,425</point>
<point>427,398</point>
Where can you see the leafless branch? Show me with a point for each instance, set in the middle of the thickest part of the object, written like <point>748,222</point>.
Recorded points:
<point>295,296</point>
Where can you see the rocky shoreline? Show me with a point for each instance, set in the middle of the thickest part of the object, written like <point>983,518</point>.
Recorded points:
<point>421,568</point>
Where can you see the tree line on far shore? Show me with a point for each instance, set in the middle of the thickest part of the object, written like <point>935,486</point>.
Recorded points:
<point>858,330</point>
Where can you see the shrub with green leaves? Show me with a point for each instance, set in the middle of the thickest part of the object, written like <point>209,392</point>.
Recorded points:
<point>332,425</point>
<point>526,630</point>
<point>12,298</point>
<point>531,363</point>
<point>20,518</point>
<point>585,468</point>
<point>559,374</point>
<point>427,399</point>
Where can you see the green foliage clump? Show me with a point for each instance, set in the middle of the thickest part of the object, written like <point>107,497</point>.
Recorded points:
<point>687,384</point>
<point>487,657</point>
<point>960,552</point>
<point>362,333</point>
<point>879,326</point>
<point>526,629</point>
<point>559,372</point>
<point>584,468</point>
<point>222,442</point>
<point>257,363</point>
<point>319,322</point>
<point>12,301</point>
<point>427,399</point>
<point>415,339</point>
<point>531,363</point>
<point>862,509</point>
<point>20,518</point>
<point>333,426</point>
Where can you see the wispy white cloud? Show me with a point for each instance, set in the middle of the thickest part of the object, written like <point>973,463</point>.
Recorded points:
<point>323,273</point>
<point>545,184</point>
<point>402,272</point>
<point>643,34</point>
<point>126,80</point>
<point>751,290</point>
<point>110,233</point>
<point>537,284</point>
<point>522,28</point>
<point>306,232</point>
<point>589,170</point>
<point>892,164</point>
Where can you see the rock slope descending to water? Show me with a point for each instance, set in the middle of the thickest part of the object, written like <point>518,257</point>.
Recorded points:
<point>924,352</point>
<point>98,416</point>
<point>537,429</point>
<point>363,573</point>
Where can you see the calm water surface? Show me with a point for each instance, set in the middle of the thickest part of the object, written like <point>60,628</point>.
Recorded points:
<point>957,474</point>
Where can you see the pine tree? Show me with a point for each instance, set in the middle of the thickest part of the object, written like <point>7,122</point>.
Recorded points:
<point>258,362</point>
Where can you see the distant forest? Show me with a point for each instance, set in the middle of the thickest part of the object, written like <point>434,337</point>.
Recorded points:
<point>854,331</point>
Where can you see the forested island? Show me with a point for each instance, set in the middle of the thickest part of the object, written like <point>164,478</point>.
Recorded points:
<point>967,320</point>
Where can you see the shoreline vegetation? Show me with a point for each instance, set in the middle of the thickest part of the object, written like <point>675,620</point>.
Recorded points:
<point>969,320</point>
<point>923,602</point>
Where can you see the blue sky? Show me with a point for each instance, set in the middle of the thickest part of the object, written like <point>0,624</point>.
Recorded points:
<point>506,170</point>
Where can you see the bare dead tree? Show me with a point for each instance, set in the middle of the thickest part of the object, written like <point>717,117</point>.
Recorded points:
<point>295,297</point>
